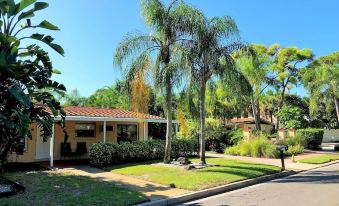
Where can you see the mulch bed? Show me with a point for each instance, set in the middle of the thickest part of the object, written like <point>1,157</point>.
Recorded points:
<point>9,188</point>
<point>23,167</point>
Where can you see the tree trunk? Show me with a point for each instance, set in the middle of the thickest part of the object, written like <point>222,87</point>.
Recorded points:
<point>281,102</point>
<point>255,114</point>
<point>3,156</point>
<point>336,103</point>
<point>167,157</point>
<point>202,121</point>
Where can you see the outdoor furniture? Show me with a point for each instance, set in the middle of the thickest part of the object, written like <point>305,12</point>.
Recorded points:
<point>66,150</point>
<point>81,149</point>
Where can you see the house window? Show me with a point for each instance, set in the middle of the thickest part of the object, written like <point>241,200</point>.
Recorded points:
<point>127,132</point>
<point>85,130</point>
<point>108,128</point>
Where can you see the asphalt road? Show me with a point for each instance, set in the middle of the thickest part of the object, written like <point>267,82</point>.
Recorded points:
<point>318,187</point>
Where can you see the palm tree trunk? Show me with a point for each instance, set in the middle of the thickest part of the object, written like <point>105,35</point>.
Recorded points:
<point>167,157</point>
<point>202,121</point>
<point>281,102</point>
<point>255,114</point>
<point>336,107</point>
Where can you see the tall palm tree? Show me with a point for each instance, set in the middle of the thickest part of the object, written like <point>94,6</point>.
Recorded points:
<point>255,69</point>
<point>210,54</point>
<point>321,79</point>
<point>169,25</point>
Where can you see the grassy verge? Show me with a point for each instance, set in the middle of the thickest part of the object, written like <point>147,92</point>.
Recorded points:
<point>228,171</point>
<point>321,159</point>
<point>43,188</point>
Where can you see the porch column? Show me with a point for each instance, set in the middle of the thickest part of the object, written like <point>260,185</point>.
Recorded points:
<point>104,131</point>
<point>144,137</point>
<point>176,130</point>
<point>51,149</point>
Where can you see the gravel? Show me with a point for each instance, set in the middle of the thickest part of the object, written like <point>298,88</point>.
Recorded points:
<point>5,188</point>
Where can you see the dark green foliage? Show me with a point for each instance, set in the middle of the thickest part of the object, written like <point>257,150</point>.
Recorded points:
<point>26,86</point>
<point>311,137</point>
<point>236,135</point>
<point>217,138</point>
<point>291,117</point>
<point>101,154</point>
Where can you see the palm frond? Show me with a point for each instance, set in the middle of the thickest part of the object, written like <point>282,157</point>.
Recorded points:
<point>133,45</point>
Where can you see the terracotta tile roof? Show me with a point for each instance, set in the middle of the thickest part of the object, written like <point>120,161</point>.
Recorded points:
<point>246,120</point>
<point>105,112</point>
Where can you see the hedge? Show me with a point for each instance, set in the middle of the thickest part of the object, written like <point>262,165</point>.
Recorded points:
<point>101,154</point>
<point>311,137</point>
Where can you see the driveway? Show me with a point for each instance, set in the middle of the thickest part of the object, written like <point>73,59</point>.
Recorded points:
<point>311,188</point>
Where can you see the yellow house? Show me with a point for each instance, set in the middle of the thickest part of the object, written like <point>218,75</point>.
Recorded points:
<point>85,126</point>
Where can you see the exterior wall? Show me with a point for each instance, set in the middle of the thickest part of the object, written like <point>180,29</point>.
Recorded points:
<point>331,135</point>
<point>264,127</point>
<point>111,137</point>
<point>29,153</point>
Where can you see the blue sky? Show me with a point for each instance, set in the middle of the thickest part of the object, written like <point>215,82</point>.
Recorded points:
<point>91,30</point>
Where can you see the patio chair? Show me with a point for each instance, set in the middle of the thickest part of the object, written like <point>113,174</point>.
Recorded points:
<point>66,150</point>
<point>81,149</point>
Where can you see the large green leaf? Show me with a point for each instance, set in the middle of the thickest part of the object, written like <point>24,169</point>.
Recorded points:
<point>56,71</point>
<point>48,40</point>
<point>57,48</point>
<point>25,15</point>
<point>47,25</point>
<point>20,95</point>
<point>40,5</point>
<point>30,13</point>
<point>23,4</point>
<point>7,6</point>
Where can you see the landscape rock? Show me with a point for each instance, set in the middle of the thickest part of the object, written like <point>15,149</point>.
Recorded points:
<point>183,161</point>
<point>189,167</point>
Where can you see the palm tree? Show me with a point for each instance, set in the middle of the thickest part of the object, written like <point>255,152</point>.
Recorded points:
<point>210,54</point>
<point>255,69</point>
<point>169,25</point>
<point>321,79</point>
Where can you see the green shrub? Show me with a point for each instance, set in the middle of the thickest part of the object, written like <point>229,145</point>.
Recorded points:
<point>294,150</point>
<point>101,154</point>
<point>255,147</point>
<point>236,135</point>
<point>233,150</point>
<point>311,137</point>
<point>294,140</point>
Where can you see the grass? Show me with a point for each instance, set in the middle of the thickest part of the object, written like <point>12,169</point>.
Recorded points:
<point>228,171</point>
<point>43,188</point>
<point>321,159</point>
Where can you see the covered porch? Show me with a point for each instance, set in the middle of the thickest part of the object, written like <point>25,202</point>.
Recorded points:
<point>89,130</point>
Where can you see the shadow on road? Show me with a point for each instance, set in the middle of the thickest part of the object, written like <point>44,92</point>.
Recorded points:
<point>313,177</point>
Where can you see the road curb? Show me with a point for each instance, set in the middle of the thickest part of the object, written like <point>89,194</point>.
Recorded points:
<point>216,190</point>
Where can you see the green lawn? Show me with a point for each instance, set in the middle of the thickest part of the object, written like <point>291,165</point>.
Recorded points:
<point>228,171</point>
<point>320,159</point>
<point>44,188</point>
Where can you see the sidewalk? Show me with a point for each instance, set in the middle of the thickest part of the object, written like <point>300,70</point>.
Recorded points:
<point>152,190</point>
<point>289,165</point>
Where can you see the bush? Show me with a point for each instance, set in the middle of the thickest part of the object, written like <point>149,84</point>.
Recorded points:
<point>295,145</point>
<point>255,147</point>
<point>236,135</point>
<point>216,134</point>
<point>294,140</point>
<point>294,150</point>
<point>311,137</point>
<point>101,154</point>
<point>234,150</point>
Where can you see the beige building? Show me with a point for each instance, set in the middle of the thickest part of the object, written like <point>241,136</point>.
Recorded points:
<point>248,123</point>
<point>86,126</point>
